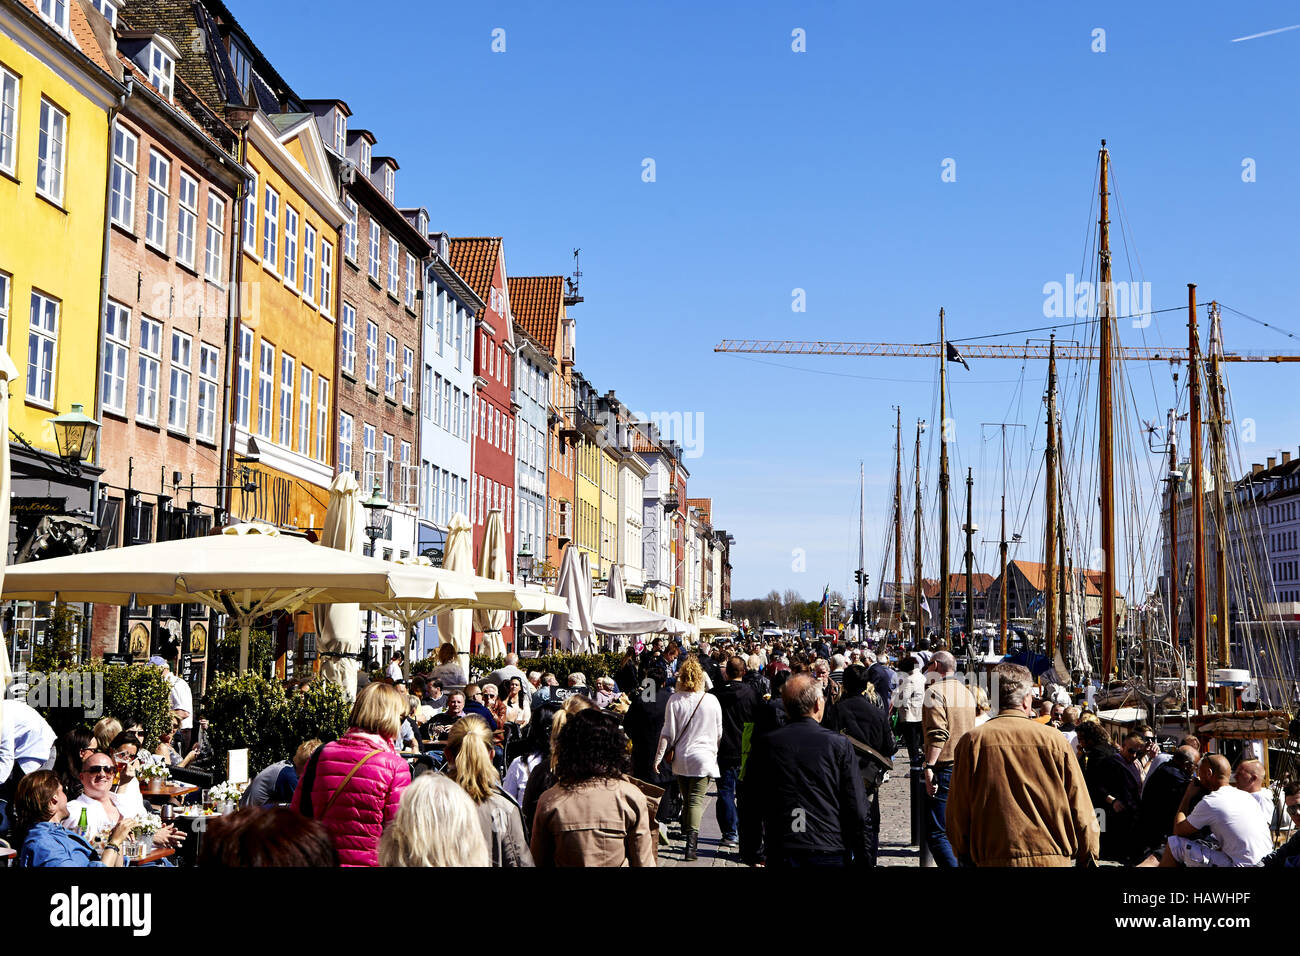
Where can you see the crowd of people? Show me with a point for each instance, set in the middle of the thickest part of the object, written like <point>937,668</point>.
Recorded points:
<point>529,768</point>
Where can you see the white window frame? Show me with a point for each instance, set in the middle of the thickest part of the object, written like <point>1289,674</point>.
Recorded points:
<point>290,269</point>
<point>410,282</point>
<point>214,241</point>
<point>55,13</point>
<point>156,210</point>
<point>148,371</point>
<point>305,379</point>
<point>162,71</point>
<point>348,337</point>
<point>394,266</point>
<point>270,229</point>
<point>350,230</point>
<point>244,380</point>
<point>448,420</point>
<point>372,354</point>
<point>309,262</point>
<point>10,97</point>
<point>117,355</point>
<point>345,439</point>
<point>209,390</point>
<point>109,9</point>
<point>365,157</point>
<point>389,458</point>
<point>288,384</point>
<point>322,417</point>
<point>51,153</point>
<point>187,219</point>
<point>408,375</point>
<point>126,158</point>
<point>340,132</point>
<point>251,219</point>
<point>406,482</point>
<point>426,392</point>
<point>265,389</point>
<point>372,267</point>
<point>369,458</point>
<point>390,184</point>
<point>390,366</point>
<point>178,382</point>
<point>326,277</point>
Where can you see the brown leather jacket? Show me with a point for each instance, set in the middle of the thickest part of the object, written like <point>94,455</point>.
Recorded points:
<point>947,713</point>
<point>601,822</point>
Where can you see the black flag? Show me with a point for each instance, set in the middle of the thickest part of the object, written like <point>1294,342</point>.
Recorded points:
<point>955,356</point>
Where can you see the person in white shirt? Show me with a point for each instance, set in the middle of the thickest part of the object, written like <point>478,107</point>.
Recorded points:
<point>26,740</point>
<point>105,806</point>
<point>692,730</point>
<point>1250,779</point>
<point>1233,816</point>
<point>182,701</point>
<point>394,670</point>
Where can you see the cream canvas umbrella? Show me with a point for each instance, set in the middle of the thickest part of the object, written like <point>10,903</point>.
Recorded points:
<point>247,571</point>
<point>492,564</point>
<point>8,373</point>
<point>573,630</point>
<point>454,627</point>
<point>712,625</point>
<point>338,634</point>
<point>680,611</point>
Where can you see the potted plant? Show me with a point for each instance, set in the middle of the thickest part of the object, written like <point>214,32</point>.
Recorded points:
<point>153,776</point>
<point>225,796</point>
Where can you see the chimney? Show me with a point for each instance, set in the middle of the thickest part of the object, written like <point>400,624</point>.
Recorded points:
<point>1256,468</point>
<point>1272,463</point>
<point>1286,457</point>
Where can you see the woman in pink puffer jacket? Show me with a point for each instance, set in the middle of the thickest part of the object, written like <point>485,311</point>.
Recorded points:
<point>358,779</point>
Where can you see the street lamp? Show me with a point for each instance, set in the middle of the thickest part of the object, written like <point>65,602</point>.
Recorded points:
<point>524,562</point>
<point>375,507</point>
<point>75,434</point>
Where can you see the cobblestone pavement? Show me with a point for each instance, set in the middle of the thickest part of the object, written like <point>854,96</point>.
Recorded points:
<point>895,829</point>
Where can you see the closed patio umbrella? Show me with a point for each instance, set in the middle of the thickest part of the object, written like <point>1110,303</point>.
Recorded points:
<point>455,627</point>
<point>492,564</point>
<point>338,634</point>
<point>573,630</point>
<point>7,375</point>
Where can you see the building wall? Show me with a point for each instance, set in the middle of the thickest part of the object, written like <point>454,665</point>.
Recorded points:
<point>631,496</point>
<point>587,491</point>
<point>532,391</point>
<point>609,512</point>
<point>561,464</point>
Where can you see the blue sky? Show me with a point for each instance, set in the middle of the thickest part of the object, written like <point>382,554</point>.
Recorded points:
<point>821,171</point>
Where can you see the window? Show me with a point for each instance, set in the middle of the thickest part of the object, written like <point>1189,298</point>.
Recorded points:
<point>239,61</point>
<point>108,8</point>
<point>372,355</point>
<point>349,337</point>
<point>215,245</point>
<point>250,218</point>
<point>290,245</point>
<point>464,416</point>
<point>122,201</point>
<point>117,349</point>
<point>265,389</point>
<point>162,71</point>
<point>178,394</point>
<point>365,157</point>
<point>187,218</point>
<point>55,12</point>
<point>50,154</point>
<point>350,230</point>
<point>390,366</point>
<point>427,391</point>
<point>209,388</point>
<point>345,443</point>
<point>340,132</point>
<point>286,400</point>
<point>436,398</point>
<point>148,369</point>
<point>392,266</point>
<point>244,389</point>
<point>390,184</point>
<point>309,263</point>
<point>322,417</point>
<point>369,467</point>
<point>270,228</point>
<point>446,405</point>
<point>304,410</point>
<point>404,483</point>
<point>326,276</point>
<point>372,267</point>
<point>408,376</point>
<point>155,227</point>
<point>410,282</point>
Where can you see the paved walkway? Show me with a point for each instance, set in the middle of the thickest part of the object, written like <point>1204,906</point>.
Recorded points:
<point>895,829</point>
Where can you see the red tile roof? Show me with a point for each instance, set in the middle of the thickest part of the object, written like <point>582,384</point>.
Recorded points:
<point>643,445</point>
<point>82,34</point>
<point>474,259</point>
<point>537,303</point>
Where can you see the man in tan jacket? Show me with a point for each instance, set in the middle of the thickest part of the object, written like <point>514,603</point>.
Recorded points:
<point>948,712</point>
<point>1018,795</point>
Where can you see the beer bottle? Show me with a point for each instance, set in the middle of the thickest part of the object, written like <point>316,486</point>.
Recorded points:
<point>82,824</point>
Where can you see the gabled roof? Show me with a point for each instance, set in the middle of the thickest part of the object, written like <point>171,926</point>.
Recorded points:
<point>474,259</point>
<point>1035,573</point>
<point>82,35</point>
<point>538,303</point>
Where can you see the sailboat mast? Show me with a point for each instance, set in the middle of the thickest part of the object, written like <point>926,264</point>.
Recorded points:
<point>1049,542</point>
<point>1062,625</point>
<point>1106,426</point>
<point>945,630</point>
<point>1002,556</point>
<point>1220,465</point>
<point>1199,614</point>
<point>898,519</point>
<point>862,568</point>
<point>970,560</point>
<point>917,586</point>
<point>1175,572</point>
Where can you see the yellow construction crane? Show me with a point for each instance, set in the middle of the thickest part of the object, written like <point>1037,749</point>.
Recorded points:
<point>1022,352</point>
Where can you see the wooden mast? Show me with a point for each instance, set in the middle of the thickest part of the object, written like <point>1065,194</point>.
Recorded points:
<point>970,559</point>
<point>1062,624</point>
<point>1002,557</point>
<point>1106,430</point>
<point>1220,465</point>
<point>917,585</point>
<point>1175,572</point>
<point>1049,541</point>
<point>945,629</point>
<point>1199,634</point>
<point>898,519</point>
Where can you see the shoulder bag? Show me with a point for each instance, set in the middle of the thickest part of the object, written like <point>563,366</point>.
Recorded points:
<point>672,749</point>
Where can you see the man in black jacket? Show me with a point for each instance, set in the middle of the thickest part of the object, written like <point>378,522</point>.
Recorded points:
<point>1161,797</point>
<point>802,790</point>
<point>739,703</point>
<point>860,715</point>
<point>643,724</point>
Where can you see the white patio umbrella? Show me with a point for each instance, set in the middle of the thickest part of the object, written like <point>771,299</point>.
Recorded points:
<point>492,564</point>
<point>338,634</point>
<point>614,587</point>
<point>246,571</point>
<point>617,619</point>
<point>458,555</point>
<point>8,373</point>
<point>680,610</point>
<point>573,629</point>
<point>712,625</point>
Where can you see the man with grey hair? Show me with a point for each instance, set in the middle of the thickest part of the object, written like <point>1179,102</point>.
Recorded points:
<point>802,793</point>
<point>947,713</point>
<point>501,676</point>
<point>1018,795</point>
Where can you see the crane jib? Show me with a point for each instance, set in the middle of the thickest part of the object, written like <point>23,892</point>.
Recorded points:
<point>971,352</point>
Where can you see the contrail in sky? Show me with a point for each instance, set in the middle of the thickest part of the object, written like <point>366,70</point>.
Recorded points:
<point>1267,33</point>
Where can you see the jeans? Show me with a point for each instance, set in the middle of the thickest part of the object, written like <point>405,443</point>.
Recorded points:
<point>810,858</point>
<point>871,841</point>
<point>694,790</point>
<point>910,730</point>
<point>728,819</point>
<point>935,809</point>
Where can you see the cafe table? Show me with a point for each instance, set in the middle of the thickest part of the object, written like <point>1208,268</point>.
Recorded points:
<point>160,853</point>
<point>167,790</point>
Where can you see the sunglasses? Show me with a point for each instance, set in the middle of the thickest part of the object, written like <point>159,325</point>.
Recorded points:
<point>490,696</point>
<point>98,769</point>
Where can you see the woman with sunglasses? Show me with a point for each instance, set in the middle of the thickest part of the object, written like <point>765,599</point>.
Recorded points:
<point>105,807</point>
<point>493,702</point>
<point>41,811</point>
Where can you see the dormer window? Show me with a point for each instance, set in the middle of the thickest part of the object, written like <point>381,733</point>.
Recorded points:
<point>162,70</point>
<point>365,158</point>
<point>239,62</point>
<point>109,10</point>
<point>390,183</point>
<point>55,12</point>
<point>422,224</point>
<point>340,132</point>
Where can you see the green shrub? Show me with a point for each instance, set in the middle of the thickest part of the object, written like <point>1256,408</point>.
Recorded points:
<point>132,692</point>
<point>561,665</point>
<point>261,648</point>
<point>253,712</point>
<point>58,650</point>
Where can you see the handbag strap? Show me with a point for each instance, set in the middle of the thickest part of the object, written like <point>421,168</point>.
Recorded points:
<point>688,722</point>
<point>357,766</point>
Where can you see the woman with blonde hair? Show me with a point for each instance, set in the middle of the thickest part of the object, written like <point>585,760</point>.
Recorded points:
<point>689,740</point>
<point>469,763</point>
<point>436,825</point>
<point>354,784</point>
<point>106,729</point>
<point>981,706</point>
<point>543,778</point>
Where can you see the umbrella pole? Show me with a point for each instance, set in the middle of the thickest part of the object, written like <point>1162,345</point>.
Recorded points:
<point>243,644</point>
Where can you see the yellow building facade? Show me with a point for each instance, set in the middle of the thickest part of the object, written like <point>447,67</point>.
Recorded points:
<point>284,365</point>
<point>587,491</point>
<point>609,518</point>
